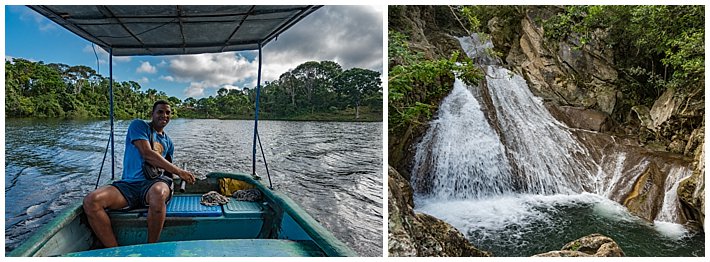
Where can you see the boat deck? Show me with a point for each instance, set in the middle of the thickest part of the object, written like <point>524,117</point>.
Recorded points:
<point>211,248</point>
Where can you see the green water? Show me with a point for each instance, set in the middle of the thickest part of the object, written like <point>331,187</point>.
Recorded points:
<point>525,225</point>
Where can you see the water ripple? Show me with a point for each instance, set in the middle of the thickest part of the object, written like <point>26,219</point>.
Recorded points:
<point>333,170</point>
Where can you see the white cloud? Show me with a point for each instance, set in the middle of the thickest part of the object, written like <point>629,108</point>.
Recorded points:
<point>212,71</point>
<point>196,89</point>
<point>146,67</point>
<point>231,87</point>
<point>103,55</point>
<point>121,58</point>
<point>8,58</point>
<point>144,80</point>
<point>348,35</point>
<point>27,14</point>
<point>167,78</point>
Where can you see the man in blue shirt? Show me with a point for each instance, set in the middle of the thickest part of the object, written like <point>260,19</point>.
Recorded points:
<point>134,190</point>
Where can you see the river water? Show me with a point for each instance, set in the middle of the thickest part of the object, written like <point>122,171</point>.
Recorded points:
<point>332,169</point>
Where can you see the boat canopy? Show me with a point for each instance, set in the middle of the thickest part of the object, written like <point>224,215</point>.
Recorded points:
<point>176,29</point>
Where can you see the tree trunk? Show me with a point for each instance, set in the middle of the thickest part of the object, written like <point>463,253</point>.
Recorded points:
<point>357,110</point>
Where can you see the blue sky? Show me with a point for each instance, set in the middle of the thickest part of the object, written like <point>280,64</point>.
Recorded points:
<point>349,35</point>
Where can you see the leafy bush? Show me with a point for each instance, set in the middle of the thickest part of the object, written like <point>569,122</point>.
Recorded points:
<point>415,81</point>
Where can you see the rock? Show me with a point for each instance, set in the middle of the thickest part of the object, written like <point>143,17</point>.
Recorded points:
<point>662,108</point>
<point>606,99</point>
<point>582,118</point>
<point>696,138</point>
<point>594,245</point>
<point>646,197</point>
<point>416,234</point>
<point>563,253</point>
<point>563,72</point>
<point>677,145</point>
<point>691,191</point>
<point>644,115</point>
<point>399,203</point>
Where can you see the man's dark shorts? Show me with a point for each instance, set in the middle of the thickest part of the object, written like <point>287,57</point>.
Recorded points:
<point>135,192</point>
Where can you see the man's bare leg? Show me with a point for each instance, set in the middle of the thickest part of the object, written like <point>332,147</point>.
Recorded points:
<point>157,194</point>
<point>94,206</point>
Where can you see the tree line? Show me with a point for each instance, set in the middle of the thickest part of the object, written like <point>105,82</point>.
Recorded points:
<point>313,90</point>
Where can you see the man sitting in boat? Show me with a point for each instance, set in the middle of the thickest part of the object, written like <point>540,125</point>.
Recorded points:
<point>134,190</point>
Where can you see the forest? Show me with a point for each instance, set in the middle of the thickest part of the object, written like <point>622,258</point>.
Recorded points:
<point>311,91</point>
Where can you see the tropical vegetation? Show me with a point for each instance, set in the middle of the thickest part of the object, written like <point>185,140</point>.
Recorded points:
<point>312,91</point>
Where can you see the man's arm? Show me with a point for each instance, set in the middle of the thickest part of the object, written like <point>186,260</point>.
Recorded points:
<point>157,160</point>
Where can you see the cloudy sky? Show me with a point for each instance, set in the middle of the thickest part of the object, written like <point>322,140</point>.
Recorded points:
<point>348,35</point>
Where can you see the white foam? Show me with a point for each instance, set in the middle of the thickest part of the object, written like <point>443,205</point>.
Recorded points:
<point>495,214</point>
<point>670,230</point>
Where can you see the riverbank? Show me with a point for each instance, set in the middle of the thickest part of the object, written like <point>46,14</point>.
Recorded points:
<point>321,117</point>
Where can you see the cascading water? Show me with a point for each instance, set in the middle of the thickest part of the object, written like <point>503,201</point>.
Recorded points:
<point>508,178</point>
<point>461,147</point>
<point>471,166</point>
<point>670,210</point>
<point>550,160</point>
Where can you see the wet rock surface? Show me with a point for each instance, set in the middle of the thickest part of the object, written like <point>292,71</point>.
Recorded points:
<point>691,192</point>
<point>417,234</point>
<point>594,245</point>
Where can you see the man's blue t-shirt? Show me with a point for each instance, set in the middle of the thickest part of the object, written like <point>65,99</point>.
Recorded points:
<point>132,159</point>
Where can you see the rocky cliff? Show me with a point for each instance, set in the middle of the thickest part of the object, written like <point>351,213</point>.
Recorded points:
<point>582,87</point>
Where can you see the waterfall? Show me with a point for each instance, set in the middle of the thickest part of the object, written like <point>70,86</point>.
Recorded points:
<point>671,207</point>
<point>549,158</point>
<point>460,156</point>
<point>495,164</point>
<point>498,138</point>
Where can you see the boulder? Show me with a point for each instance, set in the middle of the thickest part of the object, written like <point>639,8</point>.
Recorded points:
<point>594,245</point>
<point>606,97</point>
<point>662,108</point>
<point>581,118</point>
<point>644,115</point>
<point>417,234</point>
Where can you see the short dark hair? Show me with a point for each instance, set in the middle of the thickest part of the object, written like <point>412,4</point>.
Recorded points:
<point>159,102</point>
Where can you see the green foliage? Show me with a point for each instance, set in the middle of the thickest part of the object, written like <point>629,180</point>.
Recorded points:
<point>34,89</point>
<point>656,47</point>
<point>357,84</point>
<point>414,82</point>
<point>479,15</point>
<point>470,14</point>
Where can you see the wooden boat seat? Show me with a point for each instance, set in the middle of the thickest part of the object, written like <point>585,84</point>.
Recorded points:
<point>211,248</point>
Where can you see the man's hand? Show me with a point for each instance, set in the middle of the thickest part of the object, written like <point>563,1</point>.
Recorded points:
<point>186,176</point>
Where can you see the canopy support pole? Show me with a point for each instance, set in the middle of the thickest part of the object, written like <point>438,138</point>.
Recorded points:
<point>110,88</point>
<point>256,118</point>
